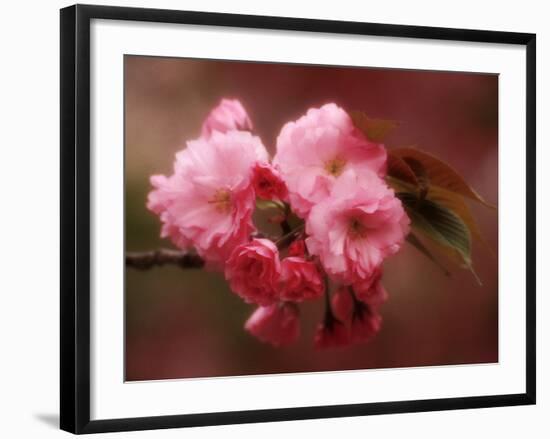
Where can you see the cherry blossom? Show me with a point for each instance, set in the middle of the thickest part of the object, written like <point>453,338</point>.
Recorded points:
<point>300,279</point>
<point>337,218</point>
<point>253,271</point>
<point>208,201</point>
<point>314,151</point>
<point>268,183</point>
<point>356,228</point>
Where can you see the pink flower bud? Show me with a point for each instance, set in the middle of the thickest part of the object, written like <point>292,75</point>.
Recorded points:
<point>371,290</point>
<point>297,248</point>
<point>277,324</point>
<point>342,304</point>
<point>363,320</point>
<point>365,323</point>
<point>300,280</point>
<point>253,271</point>
<point>268,183</point>
<point>229,115</point>
<point>331,333</point>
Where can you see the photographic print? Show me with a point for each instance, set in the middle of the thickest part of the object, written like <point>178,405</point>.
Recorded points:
<point>350,216</point>
<point>284,218</point>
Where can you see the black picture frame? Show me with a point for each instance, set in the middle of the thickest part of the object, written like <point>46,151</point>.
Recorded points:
<point>75,217</point>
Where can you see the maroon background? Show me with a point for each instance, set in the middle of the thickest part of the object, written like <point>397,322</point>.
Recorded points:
<point>189,324</point>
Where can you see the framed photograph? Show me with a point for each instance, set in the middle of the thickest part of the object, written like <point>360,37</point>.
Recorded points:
<point>268,218</point>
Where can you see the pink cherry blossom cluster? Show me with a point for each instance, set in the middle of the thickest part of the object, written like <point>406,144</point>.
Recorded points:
<point>329,178</point>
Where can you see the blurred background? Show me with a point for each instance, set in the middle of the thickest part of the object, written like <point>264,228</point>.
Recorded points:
<point>182,324</point>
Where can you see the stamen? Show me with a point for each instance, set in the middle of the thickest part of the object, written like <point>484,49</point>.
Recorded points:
<point>335,166</point>
<point>356,229</point>
<point>222,201</point>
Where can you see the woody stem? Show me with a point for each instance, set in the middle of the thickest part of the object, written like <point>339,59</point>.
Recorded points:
<point>285,240</point>
<point>329,316</point>
<point>163,256</point>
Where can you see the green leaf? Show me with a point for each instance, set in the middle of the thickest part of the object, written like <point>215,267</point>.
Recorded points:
<point>457,204</point>
<point>440,225</point>
<point>401,165</point>
<point>268,204</point>
<point>375,130</point>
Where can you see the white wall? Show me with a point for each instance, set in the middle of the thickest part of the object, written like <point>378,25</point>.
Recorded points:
<point>29,216</point>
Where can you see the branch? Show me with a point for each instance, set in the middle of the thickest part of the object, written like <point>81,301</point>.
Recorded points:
<point>163,256</point>
<point>285,240</point>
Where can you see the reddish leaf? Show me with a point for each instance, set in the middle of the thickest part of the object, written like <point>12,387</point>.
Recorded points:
<point>398,168</point>
<point>375,130</point>
<point>439,173</point>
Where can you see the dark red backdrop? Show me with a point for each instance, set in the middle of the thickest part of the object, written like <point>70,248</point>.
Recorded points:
<point>188,323</point>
